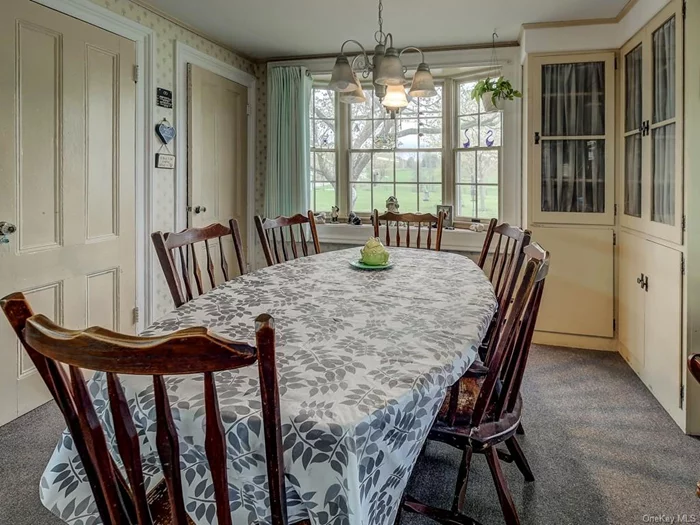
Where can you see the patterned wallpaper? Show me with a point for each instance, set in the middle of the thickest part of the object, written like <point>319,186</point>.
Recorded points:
<point>167,33</point>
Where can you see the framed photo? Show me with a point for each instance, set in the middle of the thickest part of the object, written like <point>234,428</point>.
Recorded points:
<point>449,221</point>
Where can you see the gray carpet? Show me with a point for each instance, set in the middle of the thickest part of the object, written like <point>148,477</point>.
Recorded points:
<point>601,448</point>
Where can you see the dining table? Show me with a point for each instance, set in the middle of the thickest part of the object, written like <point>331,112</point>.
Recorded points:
<point>364,360</point>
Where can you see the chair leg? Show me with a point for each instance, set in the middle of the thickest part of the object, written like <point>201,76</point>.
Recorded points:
<point>504,497</point>
<point>462,481</point>
<point>519,457</point>
<point>521,430</point>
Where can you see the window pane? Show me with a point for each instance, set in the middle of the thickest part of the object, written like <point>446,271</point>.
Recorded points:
<point>466,201</point>
<point>665,71</point>
<point>573,99</point>
<point>381,192</point>
<point>361,134</point>
<point>383,167</point>
<point>407,134</point>
<point>324,134</point>
<point>408,197</point>
<point>324,166</point>
<point>325,196</point>
<point>633,175</point>
<point>466,104</point>
<point>468,131</point>
<point>429,198</point>
<point>477,201</point>
<point>633,88</point>
<point>384,134</point>
<point>430,167</point>
<point>410,111</point>
<point>360,167</point>
<point>490,129</point>
<point>573,176</point>
<point>466,167</point>
<point>663,176</point>
<point>432,106</point>
<point>430,132</point>
<point>324,103</point>
<point>487,167</point>
<point>487,198</point>
<point>406,166</point>
<point>361,198</point>
<point>363,110</point>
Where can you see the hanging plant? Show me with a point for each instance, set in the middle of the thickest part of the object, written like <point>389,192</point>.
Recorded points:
<point>494,92</point>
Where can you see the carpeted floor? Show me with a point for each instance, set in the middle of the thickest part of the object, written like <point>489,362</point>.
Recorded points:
<point>601,447</point>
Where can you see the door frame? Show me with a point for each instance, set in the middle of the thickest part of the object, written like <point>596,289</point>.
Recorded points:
<point>184,55</point>
<point>145,41</point>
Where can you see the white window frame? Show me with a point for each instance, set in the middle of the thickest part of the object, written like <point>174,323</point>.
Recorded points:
<point>510,181</point>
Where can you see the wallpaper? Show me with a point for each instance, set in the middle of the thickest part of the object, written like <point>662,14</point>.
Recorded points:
<point>167,33</point>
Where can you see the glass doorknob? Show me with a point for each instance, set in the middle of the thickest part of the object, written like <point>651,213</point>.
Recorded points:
<point>7,228</point>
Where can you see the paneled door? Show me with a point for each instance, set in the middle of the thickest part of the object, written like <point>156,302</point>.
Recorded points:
<point>67,95</point>
<point>217,157</point>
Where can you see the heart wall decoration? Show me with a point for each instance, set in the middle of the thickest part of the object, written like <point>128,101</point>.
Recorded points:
<point>165,132</point>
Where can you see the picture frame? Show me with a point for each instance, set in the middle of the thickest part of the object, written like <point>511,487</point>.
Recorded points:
<point>448,222</point>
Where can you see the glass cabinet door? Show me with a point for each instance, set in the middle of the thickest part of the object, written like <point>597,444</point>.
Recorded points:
<point>575,109</point>
<point>663,126</point>
<point>633,129</point>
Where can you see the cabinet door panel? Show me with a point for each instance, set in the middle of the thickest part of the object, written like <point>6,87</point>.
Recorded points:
<point>578,297</point>
<point>663,351</point>
<point>631,298</point>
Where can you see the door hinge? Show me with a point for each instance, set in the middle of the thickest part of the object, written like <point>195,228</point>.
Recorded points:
<point>537,137</point>
<point>615,210</point>
<point>614,239</point>
<point>682,395</point>
<point>685,9</point>
<point>247,109</point>
<point>683,223</point>
<point>615,62</point>
<point>136,73</point>
<point>614,325</point>
<point>136,314</point>
<point>682,264</point>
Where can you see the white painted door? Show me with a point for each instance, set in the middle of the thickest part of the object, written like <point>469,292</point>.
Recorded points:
<point>217,157</point>
<point>66,181</point>
<point>632,298</point>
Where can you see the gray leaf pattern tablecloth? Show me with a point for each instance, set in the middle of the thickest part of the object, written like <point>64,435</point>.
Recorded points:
<point>364,361</point>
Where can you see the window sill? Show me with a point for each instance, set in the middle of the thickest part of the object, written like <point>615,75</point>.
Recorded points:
<point>453,240</point>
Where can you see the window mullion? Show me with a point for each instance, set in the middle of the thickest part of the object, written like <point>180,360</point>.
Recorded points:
<point>449,155</point>
<point>343,147</point>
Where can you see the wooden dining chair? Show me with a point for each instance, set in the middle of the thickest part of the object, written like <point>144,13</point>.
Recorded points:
<point>189,351</point>
<point>394,221</point>
<point>185,243</point>
<point>483,408</point>
<point>503,271</point>
<point>272,238</point>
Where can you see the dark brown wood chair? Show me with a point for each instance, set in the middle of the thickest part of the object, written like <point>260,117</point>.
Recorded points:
<point>189,351</point>
<point>271,234</point>
<point>182,288</point>
<point>396,220</point>
<point>483,408</point>
<point>694,367</point>
<point>505,267</point>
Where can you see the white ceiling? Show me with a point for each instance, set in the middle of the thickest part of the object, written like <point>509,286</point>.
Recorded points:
<point>272,28</point>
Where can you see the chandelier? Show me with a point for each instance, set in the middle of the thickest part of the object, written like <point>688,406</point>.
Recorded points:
<point>387,70</point>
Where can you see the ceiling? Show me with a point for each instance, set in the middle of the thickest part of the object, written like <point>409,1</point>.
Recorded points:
<point>275,28</point>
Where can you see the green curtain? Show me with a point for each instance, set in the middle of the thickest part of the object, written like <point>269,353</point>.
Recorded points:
<point>287,183</point>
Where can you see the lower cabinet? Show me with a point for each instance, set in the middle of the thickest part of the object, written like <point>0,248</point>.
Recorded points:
<point>650,317</point>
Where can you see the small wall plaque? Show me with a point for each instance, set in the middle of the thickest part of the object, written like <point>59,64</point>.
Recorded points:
<point>164,98</point>
<point>165,161</point>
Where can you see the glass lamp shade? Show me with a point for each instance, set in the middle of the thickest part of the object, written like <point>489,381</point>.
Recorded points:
<point>354,97</point>
<point>395,98</point>
<point>342,79</point>
<point>390,70</point>
<point>423,84</point>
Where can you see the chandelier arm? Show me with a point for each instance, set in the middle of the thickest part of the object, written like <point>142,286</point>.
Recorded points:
<point>413,48</point>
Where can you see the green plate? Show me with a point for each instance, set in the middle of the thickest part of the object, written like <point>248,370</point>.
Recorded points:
<point>362,266</point>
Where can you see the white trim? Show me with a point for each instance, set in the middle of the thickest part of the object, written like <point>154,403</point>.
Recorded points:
<point>184,55</point>
<point>145,40</point>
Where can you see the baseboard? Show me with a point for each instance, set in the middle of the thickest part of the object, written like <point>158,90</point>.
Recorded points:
<point>603,344</point>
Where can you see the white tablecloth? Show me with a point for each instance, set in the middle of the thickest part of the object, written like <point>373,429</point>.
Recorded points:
<point>364,360</point>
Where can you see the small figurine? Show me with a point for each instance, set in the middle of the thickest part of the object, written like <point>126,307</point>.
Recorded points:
<point>334,214</point>
<point>320,218</point>
<point>392,204</point>
<point>353,218</point>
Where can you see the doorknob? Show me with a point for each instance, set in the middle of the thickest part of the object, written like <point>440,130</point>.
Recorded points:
<point>200,209</point>
<point>6,229</point>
